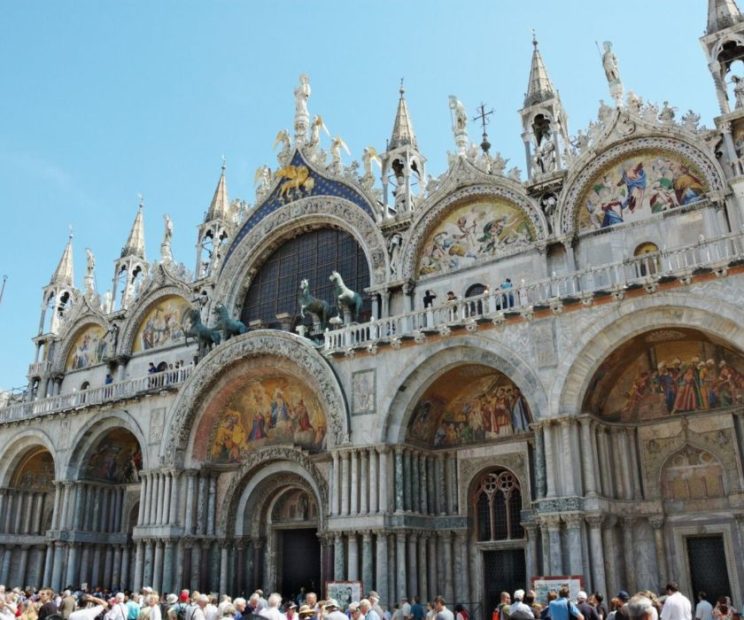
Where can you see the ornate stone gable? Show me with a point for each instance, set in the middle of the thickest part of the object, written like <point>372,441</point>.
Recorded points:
<point>190,399</point>
<point>138,312</point>
<point>73,332</point>
<point>289,220</point>
<point>282,194</point>
<point>503,189</point>
<point>578,184</point>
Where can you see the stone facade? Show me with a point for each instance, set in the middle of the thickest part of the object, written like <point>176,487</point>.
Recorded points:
<point>546,425</point>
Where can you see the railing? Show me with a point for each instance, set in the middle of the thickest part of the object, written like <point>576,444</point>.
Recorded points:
<point>95,396</point>
<point>38,369</point>
<point>640,271</point>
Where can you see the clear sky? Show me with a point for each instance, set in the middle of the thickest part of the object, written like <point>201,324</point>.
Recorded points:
<point>102,101</point>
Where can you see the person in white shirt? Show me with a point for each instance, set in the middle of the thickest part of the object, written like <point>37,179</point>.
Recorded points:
<point>6,612</point>
<point>153,602</point>
<point>676,606</point>
<point>88,611</point>
<point>332,611</point>
<point>211,611</point>
<point>118,609</point>
<point>703,610</point>
<point>271,611</point>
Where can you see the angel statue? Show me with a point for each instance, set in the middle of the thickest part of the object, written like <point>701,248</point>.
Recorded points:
<point>369,156</point>
<point>459,123</point>
<point>315,129</point>
<point>336,145</point>
<point>90,283</point>
<point>165,247</point>
<point>262,181</point>
<point>738,91</point>
<point>283,138</point>
<point>612,73</point>
<point>302,116</point>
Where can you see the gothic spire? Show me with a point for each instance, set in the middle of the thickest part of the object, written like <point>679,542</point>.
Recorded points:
<point>539,87</point>
<point>63,274</point>
<point>220,206</point>
<point>135,245</point>
<point>722,14</point>
<point>403,128</point>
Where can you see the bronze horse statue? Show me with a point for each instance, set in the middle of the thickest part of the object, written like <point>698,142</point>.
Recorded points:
<point>308,303</point>
<point>230,327</point>
<point>207,337</point>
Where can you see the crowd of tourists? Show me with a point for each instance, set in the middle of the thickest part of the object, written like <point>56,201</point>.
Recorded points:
<point>99,604</point>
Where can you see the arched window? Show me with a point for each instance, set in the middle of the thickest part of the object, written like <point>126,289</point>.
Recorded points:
<point>498,502</point>
<point>476,307</point>
<point>648,259</point>
<point>312,255</point>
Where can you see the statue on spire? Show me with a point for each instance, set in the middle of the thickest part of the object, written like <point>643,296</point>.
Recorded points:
<point>166,256</point>
<point>459,124</point>
<point>302,116</point>
<point>90,266</point>
<point>612,73</point>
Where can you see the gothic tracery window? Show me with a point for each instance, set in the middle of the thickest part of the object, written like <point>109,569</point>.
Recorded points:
<point>498,502</point>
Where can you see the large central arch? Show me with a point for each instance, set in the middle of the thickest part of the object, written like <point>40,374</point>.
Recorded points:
<point>276,345</point>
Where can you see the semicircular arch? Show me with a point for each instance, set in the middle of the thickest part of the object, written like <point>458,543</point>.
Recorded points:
<point>132,323</point>
<point>192,399</point>
<point>289,221</point>
<point>72,340</point>
<point>256,473</point>
<point>94,430</point>
<point>591,169</point>
<point>432,364</point>
<point>507,196</point>
<point>596,341</point>
<point>18,446</point>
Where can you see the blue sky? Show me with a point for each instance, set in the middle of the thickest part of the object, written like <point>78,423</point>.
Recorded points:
<point>103,101</point>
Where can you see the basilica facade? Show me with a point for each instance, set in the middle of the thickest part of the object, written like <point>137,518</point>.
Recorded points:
<point>428,385</point>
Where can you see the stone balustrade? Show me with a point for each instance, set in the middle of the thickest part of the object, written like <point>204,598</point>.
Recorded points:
<point>645,271</point>
<point>94,396</point>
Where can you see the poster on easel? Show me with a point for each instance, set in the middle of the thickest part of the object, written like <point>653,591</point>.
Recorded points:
<point>543,585</point>
<point>344,592</point>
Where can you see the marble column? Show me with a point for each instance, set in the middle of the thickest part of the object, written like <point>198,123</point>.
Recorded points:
<point>354,500</point>
<point>416,482</point>
<point>364,482</point>
<point>399,506</point>
<point>633,463</point>
<point>554,543</point>
<point>400,564</point>
<point>188,524</point>
<point>657,523</point>
<point>352,570</point>
<point>147,575</point>
<point>73,564</point>
<point>383,478</point>
<point>530,530</point>
<point>339,565</point>
<point>212,504</point>
<point>59,554</point>
<point>345,502</point>
<point>392,572</point>
<point>116,572</point>
<point>433,579</point>
<point>449,592</point>
<point>597,559</point>
<point>575,551</point>
<point>144,513</point>
<point>462,579</point>
<point>84,573</point>
<point>139,566</point>
<point>412,564</point>
<point>381,566</point>
<point>407,482</point>
<point>124,570</point>
<point>196,566</point>
<point>5,570</point>
<point>441,488</point>
<point>452,483</point>
<point>629,553</point>
<point>587,458</point>
<point>166,496</point>
<point>568,476</point>
<point>423,581</point>
<point>374,505</point>
<point>367,559</point>
<point>167,584</point>
<point>23,564</point>
<point>551,466</point>
<point>48,564</point>
<point>423,486</point>
<point>335,497</point>
<point>224,577</point>
<point>539,460</point>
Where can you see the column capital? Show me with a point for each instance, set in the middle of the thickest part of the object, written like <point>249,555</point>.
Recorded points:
<point>367,535</point>
<point>572,519</point>
<point>552,522</point>
<point>595,520</point>
<point>656,521</point>
<point>630,520</point>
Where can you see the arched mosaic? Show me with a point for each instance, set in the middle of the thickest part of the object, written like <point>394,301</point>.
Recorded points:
<point>665,372</point>
<point>637,185</point>
<point>163,325</point>
<point>480,228</point>
<point>88,349</point>
<point>115,457</point>
<point>35,471</point>
<point>266,404</point>
<point>468,404</point>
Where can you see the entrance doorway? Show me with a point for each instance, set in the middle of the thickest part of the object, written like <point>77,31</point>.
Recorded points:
<point>503,571</point>
<point>707,560</point>
<point>300,567</point>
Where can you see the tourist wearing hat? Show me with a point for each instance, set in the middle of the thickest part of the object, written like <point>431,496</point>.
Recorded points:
<point>332,612</point>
